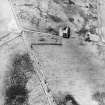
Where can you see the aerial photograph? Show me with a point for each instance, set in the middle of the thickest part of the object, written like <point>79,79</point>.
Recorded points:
<point>52,52</point>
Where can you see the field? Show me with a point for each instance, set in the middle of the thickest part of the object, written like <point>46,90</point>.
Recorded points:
<point>66,71</point>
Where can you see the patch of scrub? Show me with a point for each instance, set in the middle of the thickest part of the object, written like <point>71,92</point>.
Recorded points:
<point>16,92</point>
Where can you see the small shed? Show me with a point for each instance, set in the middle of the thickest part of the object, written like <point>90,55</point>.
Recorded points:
<point>64,32</point>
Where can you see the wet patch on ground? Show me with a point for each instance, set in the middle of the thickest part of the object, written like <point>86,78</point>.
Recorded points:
<point>16,92</point>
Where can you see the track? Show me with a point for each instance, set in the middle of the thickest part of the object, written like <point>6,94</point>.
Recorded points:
<point>33,57</point>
